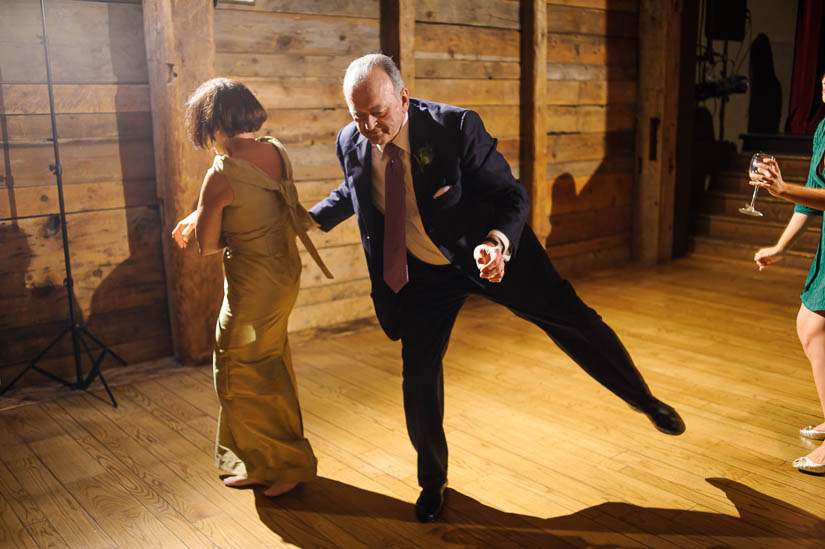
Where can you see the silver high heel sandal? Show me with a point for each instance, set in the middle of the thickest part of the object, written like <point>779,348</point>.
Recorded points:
<point>805,464</point>
<point>811,433</point>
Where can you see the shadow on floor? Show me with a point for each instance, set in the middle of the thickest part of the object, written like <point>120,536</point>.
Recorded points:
<point>328,513</point>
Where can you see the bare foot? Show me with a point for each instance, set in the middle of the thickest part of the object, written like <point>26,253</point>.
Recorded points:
<point>818,455</point>
<point>279,488</point>
<point>236,481</point>
<point>820,427</point>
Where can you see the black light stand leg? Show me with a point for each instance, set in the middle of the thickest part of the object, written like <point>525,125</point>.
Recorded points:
<point>33,365</point>
<point>95,370</point>
<point>76,329</point>
<point>100,344</point>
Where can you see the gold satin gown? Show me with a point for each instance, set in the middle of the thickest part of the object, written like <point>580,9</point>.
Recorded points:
<point>260,431</point>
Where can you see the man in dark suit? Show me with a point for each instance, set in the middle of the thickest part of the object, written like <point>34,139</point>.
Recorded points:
<point>457,228</point>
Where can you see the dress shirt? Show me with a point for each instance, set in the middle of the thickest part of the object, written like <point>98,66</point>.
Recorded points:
<point>418,243</point>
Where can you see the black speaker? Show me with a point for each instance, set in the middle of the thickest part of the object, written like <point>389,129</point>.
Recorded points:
<point>726,20</point>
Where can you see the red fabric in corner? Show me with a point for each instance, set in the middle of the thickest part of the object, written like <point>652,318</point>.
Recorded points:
<point>806,108</point>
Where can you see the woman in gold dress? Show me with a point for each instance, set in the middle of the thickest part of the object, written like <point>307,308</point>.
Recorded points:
<point>248,209</point>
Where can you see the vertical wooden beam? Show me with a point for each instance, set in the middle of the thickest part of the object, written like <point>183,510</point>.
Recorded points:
<point>398,36</point>
<point>657,109</point>
<point>683,194</point>
<point>180,53</point>
<point>533,169</point>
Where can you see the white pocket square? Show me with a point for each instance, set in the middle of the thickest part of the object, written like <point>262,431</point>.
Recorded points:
<point>442,190</point>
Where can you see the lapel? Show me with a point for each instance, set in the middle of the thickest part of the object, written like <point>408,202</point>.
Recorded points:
<point>360,162</point>
<point>418,121</point>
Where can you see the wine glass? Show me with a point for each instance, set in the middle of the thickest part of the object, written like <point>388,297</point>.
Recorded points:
<point>756,159</point>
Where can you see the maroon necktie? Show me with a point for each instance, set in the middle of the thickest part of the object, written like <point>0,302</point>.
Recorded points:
<point>395,219</point>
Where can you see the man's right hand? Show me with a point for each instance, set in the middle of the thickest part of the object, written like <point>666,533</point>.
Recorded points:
<point>766,256</point>
<point>185,227</point>
<point>490,261</point>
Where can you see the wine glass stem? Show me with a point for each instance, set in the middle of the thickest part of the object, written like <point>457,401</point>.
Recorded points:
<point>753,200</point>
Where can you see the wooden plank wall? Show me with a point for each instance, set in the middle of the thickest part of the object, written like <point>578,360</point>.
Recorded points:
<point>292,54</point>
<point>105,135</point>
<point>590,122</point>
<point>467,53</point>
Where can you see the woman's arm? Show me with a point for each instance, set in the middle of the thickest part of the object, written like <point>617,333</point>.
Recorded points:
<point>216,194</point>
<point>184,227</point>
<point>796,227</point>
<point>778,187</point>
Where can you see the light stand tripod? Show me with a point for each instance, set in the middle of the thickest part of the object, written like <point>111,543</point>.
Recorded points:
<point>75,328</point>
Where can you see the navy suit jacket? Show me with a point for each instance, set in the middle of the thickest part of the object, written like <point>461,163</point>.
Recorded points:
<point>450,147</point>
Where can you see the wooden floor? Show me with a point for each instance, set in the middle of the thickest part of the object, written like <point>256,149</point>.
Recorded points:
<point>541,455</point>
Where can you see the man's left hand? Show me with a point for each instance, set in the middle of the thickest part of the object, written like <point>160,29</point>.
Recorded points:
<point>490,261</point>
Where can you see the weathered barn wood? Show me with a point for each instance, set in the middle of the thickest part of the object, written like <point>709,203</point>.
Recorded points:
<point>293,55</point>
<point>180,56</point>
<point>484,37</point>
<point>279,31</point>
<point>524,429</point>
<point>83,162</point>
<point>104,128</point>
<point>445,41</point>
<point>556,82</point>
<point>584,207</point>
<point>398,37</point>
<point>83,126</point>
<point>477,13</point>
<point>533,99</point>
<point>657,111</point>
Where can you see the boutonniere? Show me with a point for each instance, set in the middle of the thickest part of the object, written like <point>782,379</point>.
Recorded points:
<point>423,158</point>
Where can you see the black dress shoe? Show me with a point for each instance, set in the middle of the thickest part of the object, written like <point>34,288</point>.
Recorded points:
<point>664,417</point>
<point>430,504</point>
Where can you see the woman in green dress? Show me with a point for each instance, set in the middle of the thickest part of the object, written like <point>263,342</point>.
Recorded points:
<point>248,209</point>
<point>810,322</point>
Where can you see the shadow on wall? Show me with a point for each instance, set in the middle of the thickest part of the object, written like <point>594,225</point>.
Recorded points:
<point>25,301</point>
<point>35,309</point>
<point>591,212</point>
<point>328,513</point>
<point>132,296</point>
<point>115,250</point>
<point>6,178</point>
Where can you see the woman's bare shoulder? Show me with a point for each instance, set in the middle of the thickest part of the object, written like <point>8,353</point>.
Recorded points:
<point>216,189</point>
<point>265,156</point>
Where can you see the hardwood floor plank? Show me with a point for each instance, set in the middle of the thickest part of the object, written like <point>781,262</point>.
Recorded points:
<point>540,454</point>
<point>186,460</point>
<point>21,520</point>
<point>49,511</point>
<point>155,498</point>
<point>189,387</point>
<point>115,507</point>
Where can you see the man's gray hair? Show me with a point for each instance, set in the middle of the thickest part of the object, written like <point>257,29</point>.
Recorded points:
<point>360,69</point>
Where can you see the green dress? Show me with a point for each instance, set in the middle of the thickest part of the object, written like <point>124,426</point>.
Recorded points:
<point>260,431</point>
<point>813,295</point>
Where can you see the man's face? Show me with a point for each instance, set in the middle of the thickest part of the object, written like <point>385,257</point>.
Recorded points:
<point>377,108</point>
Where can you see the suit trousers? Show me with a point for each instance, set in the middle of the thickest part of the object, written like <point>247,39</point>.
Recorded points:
<point>533,290</point>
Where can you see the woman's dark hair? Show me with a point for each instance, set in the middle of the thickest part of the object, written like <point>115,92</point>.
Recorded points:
<point>225,105</point>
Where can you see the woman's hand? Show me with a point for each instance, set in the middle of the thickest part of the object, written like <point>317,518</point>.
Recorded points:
<point>767,256</point>
<point>182,231</point>
<point>771,178</point>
